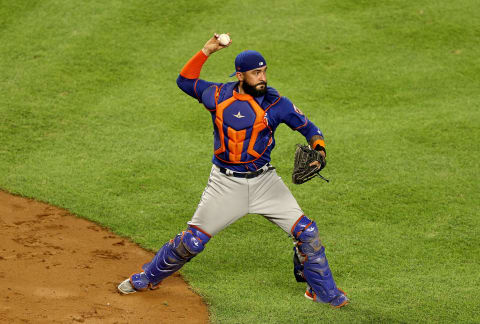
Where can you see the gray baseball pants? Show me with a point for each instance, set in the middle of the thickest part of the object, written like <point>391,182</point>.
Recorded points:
<point>227,198</point>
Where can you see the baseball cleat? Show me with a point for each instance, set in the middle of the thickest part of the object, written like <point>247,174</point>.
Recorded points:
<point>125,287</point>
<point>309,294</point>
<point>339,301</point>
<point>136,282</point>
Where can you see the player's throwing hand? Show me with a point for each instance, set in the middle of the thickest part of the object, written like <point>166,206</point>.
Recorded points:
<point>213,44</point>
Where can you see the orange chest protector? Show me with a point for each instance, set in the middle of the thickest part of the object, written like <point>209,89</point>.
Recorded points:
<point>241,129</point>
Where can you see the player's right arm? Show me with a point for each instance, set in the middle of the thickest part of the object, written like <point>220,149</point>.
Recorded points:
<point>188,80</point>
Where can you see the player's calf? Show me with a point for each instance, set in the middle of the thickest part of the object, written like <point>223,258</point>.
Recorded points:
<point>169,259</point>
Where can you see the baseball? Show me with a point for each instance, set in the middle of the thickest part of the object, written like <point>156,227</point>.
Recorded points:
<point>224,39</point>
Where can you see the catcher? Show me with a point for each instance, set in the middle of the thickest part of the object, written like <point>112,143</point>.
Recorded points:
<point>245,115</point>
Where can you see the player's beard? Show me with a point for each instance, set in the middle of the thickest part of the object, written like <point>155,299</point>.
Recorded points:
<point>253,90</point>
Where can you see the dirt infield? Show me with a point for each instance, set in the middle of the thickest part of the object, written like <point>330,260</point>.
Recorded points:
<point>57,268</point>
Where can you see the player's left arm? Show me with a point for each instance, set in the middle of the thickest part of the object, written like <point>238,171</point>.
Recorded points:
<point>296,120</point>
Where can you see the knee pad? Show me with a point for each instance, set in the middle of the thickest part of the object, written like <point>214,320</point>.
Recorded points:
<point>305,232</point>
<point>190,243</point>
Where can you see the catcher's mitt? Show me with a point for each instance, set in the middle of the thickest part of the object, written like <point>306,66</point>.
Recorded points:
<point>302,171</point>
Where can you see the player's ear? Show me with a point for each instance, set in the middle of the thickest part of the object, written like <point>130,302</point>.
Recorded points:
<point>240,76</point>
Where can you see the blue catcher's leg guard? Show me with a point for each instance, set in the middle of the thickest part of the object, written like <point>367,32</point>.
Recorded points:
<point>309,251</point>
<point>170,258</point>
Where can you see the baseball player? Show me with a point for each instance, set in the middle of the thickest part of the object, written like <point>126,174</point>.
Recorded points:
<point>245,115</point>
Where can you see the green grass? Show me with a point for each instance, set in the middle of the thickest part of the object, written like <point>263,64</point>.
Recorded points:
<point>91,120</point>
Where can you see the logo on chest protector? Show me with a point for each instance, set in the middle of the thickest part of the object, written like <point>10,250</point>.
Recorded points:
<point>239,115</point>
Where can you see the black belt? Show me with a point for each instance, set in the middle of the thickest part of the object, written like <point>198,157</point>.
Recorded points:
<point>247,175</point>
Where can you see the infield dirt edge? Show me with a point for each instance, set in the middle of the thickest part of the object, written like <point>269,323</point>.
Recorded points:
<point>57,267</point>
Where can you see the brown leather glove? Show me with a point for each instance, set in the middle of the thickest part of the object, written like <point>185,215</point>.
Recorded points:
<point>302,170</point>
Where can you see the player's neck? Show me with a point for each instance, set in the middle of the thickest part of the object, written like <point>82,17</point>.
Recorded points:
<point>240,89</point>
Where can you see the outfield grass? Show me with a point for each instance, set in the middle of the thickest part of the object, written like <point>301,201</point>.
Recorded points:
<point>91,120</point>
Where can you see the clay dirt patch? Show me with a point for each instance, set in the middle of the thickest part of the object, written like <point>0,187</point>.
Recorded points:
<point>58,268</point>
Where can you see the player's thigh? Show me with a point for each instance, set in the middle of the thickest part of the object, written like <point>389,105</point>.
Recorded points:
<point>224,200</point>
<point>273,200</point>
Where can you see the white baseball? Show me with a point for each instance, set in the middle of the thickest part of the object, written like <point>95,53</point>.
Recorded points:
<point>224,39</point>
